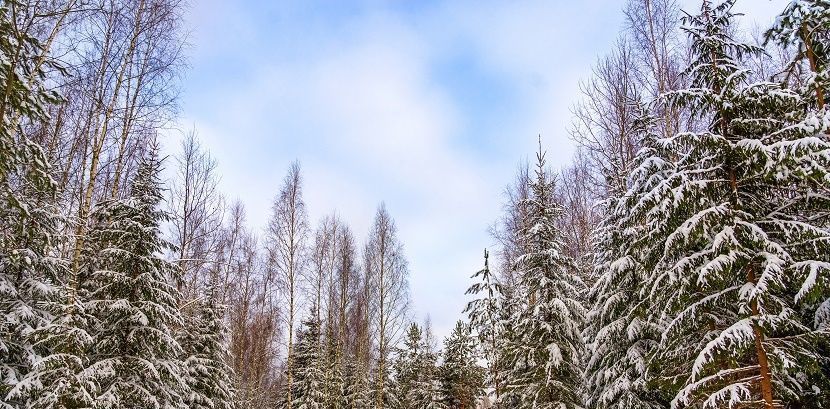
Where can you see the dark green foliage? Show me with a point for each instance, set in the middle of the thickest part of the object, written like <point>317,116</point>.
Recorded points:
<point>415,382</point>
<point>205,357</point>
<point>738,254</point>
<point>135,357</point>
<point>544,356</point>
<point>308,369</point>
<point>29,223</point>
<point>461,378</point>
<point>621,333</point>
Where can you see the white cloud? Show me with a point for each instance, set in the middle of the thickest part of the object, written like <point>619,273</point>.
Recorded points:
<point>356,100</point>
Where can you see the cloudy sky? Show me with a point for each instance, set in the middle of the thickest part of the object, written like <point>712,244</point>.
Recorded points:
<point>426,105</point>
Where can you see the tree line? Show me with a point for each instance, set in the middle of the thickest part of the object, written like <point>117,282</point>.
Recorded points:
<point>121,287</point>
<point>680,261</point>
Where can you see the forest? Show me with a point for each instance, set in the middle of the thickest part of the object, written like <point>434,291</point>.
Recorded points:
<point>681,259</point>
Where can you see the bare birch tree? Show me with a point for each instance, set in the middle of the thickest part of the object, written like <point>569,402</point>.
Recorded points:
<point>387,275</point>
<point>195,205</point>
<point>286,251</point>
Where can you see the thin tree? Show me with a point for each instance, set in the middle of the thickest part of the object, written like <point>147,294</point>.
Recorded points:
<point>387,274</point>
<point>287,256</point>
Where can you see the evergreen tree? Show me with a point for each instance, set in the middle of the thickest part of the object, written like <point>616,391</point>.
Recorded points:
<point>461,378</point>
<point>622,335</point>
<point>334,383</point>
<point>544,360</point>
<point>805,26</point>
<point>205,356</point>
<point>741,248</point>
<point>483,313</point>
<point>356,392</point>
<point>414,373</point>
<point>29,264</point>
<point>135,357</point>
<point>308,368</point>
<point>60,379</point>
<point>510,303</point>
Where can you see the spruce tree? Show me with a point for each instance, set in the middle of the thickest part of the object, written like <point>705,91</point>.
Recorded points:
<point>544,359</point>
<point>308,367</point>
<point>30,266</point>
<point>126,282</point>
<point>61,378</point>
<point>483,313</point>
<point>741,247</point>
<point>510,303</point>
<point>205,355</point>
<point>621,333</point>
<point>356,392</point>
<point>461,378</point>
<point>334,382</point>
<point>805,27</point>
<point>414,373</point>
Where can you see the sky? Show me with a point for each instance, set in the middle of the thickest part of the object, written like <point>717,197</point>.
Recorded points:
<point>428,106</point>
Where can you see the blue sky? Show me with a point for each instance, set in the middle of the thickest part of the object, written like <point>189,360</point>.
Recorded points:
<point>428,106</point>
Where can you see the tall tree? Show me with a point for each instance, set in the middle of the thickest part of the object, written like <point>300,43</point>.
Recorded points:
<point>135,357</point>
<point>545,360</point>
<point>621,334</point>
<point>483,313</point>
<point>30,266</point>
<point>286,244</point>
<point>741,248</point>
<point>387,275</point>
<point>195,207</point>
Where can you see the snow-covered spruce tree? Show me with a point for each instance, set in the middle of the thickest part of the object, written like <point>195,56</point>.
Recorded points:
<point>483,313</point>
<point>356,392</point>
<point>60,379</point>
<point>461,378</point>
<point>543,361</point>
<point>308,368</point>
<point>334,386</point>
<point>209,378</point>
<point>414,373</point>
<point>805,26</point>
<point>126,282</point>
<point>29,222</point>
<point>620,331</point>
<point>425,389</point>
<point>403,367</point>
<point>510,303</point>
<point>742,246</point>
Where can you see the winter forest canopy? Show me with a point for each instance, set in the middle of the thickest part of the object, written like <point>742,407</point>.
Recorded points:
<point>680,260</point>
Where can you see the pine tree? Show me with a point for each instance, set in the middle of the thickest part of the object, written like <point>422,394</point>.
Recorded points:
<point>741,248</point>
<point>29,222</point>
<point>205,356</point>
<point>621,334</point>
<point>308,367</point>
<point>135,357</point>
<point>483,313</point>
<point>461,378</point>
<point>544,359</point>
